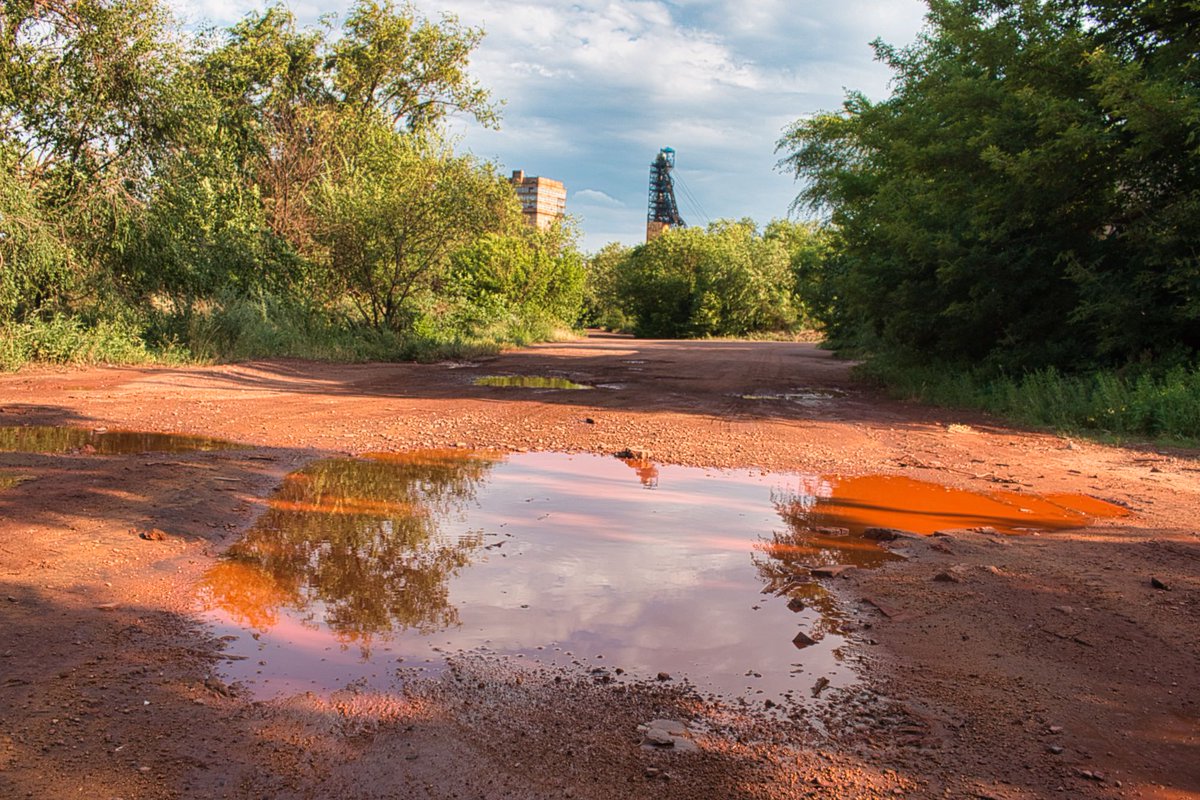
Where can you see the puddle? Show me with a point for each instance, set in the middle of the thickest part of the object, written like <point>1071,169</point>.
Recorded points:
<point>52,439</point>
<point>8,480</point>
<point>529,382</point>
<point>365,569</point>
<point>804,397</point>
<point>920,507</point>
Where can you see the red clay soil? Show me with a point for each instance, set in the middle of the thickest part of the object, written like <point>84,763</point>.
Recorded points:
<point>1059,665</point>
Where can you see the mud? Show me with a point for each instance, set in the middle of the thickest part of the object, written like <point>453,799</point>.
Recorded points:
<point>1046,664</point>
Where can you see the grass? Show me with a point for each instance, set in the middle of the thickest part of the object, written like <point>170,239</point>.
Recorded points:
<point>242,330</point>
<point>1163,406</point>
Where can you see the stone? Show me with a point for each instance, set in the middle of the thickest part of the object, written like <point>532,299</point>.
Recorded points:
<point>1161,586</point>
<point>884,534</point>
<point>664,676</point>
<point>953,575</point>
<point>659,738</point>
<point>153,535</point>
<point>795,604</point>
<point>803,640</point>
<point>671,726</point>
<point>832,571</point>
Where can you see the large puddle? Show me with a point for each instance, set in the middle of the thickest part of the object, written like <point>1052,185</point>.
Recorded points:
<point>364,569</point>
<point>55,439</point>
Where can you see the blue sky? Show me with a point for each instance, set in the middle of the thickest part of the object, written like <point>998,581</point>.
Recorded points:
<point>594,88</point>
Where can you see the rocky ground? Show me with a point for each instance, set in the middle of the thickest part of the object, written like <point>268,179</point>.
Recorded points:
<point>1055,665</point>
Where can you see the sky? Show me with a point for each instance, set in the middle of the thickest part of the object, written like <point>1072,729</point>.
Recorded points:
<point>593,89</point>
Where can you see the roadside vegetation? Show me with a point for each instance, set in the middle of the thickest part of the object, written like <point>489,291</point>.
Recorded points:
<point>260,190</point>
<point>1017,227</point>
<point>729,279</point>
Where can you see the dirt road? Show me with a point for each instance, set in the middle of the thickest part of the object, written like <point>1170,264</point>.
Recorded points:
<point>1056,665</point>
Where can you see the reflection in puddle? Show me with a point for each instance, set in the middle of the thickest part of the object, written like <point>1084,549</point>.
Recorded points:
<point>919,507</point>
<point>529,382</point>
<point>804,397</point>
<point>8,480</point>
<point>364,566</point>
<point>51,439</point>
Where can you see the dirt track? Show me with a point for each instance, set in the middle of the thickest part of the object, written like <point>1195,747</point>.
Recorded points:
<point>1052,668</point>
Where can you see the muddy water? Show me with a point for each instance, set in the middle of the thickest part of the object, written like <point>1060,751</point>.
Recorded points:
<point>51,439</point>
<point>528,382</point>
<point>363,569</point>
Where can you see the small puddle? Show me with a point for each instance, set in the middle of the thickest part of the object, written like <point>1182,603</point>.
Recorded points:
<point>8,480</point>
<point>804,397</point>
<point>54,439</point>
<point>366,570</point>
<point>529,382</point>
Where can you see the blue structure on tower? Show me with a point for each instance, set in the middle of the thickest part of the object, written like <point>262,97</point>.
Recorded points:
<point>664,211</point>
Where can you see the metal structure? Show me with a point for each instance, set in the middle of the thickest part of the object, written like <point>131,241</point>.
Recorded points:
<point>664,211</point>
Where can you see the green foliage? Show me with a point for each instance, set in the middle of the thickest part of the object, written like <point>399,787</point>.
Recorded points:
<point>526,273</point>
<point>1027,196</point>
<point>70,340</point>
<point>602,303</point>
<point>1165,406</point>
<point>262,190</point>
<point>724,281</point>
<point>391,214</point>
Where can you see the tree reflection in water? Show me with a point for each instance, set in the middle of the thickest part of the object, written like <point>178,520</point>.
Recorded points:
<point>813,538</point>
<point>354,545</point>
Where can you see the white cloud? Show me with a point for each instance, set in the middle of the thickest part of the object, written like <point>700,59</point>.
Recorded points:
<point>593,88</point>
<point>596,197</point>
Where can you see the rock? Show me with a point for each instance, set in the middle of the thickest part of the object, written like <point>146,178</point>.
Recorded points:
<point>108,606</point>
<point>1056,749</point>
<point>795,604</point>
<point>803,640</point>
<point>659,738</point>
<point>636,453</point>
<point>667,733</point>
<point>671,726</point>
<point>664,676</point>
<point>831,531</point>
<point>953,575</point>
<point>1090,775</point>
<point>1068,610</point>
<point>819,686</point>
<point>1157,584</point>
<point>884,534</point>
<point>832,571</point>
<point>153,535</point>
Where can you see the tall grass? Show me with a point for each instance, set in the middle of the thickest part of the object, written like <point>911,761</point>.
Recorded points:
<point>242,329</point>
<point>69,340</point>
<point>1164,406</point>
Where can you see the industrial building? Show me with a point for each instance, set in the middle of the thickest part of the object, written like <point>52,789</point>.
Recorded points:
<point>664,211</point>
<point>542,200</point>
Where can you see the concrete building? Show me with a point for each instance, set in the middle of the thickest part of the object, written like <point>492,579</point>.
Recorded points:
<point>543,200</point>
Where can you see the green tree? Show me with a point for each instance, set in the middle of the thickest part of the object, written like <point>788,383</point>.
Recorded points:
<point>602,305</point>
<point>1025,195</point>
<point>393,211</point>
<point>724,281</point>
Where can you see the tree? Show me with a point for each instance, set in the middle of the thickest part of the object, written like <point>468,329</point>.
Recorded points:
<point>724,281</point>
<point>392,211</point>
<point>1026,196</point>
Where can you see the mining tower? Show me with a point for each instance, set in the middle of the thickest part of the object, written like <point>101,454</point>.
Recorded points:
<point>664,211</point>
